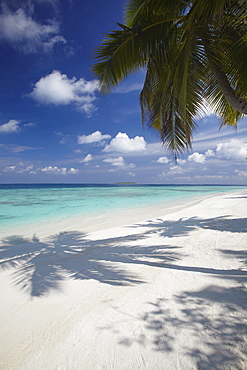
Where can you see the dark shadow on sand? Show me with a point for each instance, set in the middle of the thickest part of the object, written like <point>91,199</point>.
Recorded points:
<point>41,266</point>
<point>218,336</point>
<point>211,339</point>
<point>185,225</point>
<point>216,339</point>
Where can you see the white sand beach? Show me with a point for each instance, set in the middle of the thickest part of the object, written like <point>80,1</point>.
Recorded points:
<point>167,292</point>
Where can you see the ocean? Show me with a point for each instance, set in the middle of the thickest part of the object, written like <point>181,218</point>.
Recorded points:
<point>25,204</point>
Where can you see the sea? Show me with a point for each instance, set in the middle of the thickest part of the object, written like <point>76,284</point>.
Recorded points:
<point>25,204</point>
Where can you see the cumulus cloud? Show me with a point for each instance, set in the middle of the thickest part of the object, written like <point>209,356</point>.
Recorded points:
<point>118,162</point>
<point>197,157</point>
<point>233,149</point>
<point>123,144</point>
<point>73,171</point>
<point>10,127</point>
<point>174,170</point>
<point>9,169</point>
<point>26,169</point>
<point>87,159</point>
<point>19,168</point>
<point>57,89</point>
<point>25,34</point>
<point>95,137</point>
<point>241,173</point>
<point>209,153</point>
<point>181,161</point>
<point>163,160</point>
<point>60,171</point>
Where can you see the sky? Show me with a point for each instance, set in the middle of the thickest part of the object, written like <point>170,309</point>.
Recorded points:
<point>55,127</point>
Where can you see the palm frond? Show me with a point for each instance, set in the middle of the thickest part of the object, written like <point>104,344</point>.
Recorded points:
<point>145,11</point>
<point>124,51</point>
<point>193,50</point>
<point>117,57</point>
<point>219,104</point>
<point>161,106</point>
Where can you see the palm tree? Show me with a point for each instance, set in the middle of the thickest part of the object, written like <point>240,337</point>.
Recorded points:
<point>193,51</point>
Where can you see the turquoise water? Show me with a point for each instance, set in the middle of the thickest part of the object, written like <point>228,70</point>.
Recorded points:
<point>24,204</point>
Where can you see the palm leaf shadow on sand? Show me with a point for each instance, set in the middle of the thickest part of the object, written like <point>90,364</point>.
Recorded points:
<point>218,337</point>
<point>240,255</point>
<point>213,320</point>
<point>41,266</point>
<point>182,227</point>
<point>212,339</point>
<point>185,225</point>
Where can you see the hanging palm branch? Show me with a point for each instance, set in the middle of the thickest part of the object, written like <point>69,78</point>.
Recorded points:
<point>193,51</point>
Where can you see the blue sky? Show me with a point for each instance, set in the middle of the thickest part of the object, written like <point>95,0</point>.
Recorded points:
<point>56,128</point>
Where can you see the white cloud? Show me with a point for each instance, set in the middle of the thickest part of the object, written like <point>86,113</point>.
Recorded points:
<point>20,168</point>
<point>123,144</point>
<point>95,137</point>
<point>58,89</point>
<point>60,171</point>
<point>209,153</point>
<point>27,35</point>
<point>174,170</point>
<point>197,157</point>
<point>233,149</point>
<point>9,169</point>
<point>87,159</point>
<point>241,173</point>
<point>73,171</point>
<point>10,127</point>
<point>163,160</point>
<point>26,169</point>
<point>181,161</point>
<point>118,162</point>
<point>29,168</point>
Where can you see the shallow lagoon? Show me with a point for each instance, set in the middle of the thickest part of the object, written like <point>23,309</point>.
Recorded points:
<point>24,204</point>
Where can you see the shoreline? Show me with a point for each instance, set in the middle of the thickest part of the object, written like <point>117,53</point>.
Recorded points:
<point>106,220</point>
<point>166,290</point>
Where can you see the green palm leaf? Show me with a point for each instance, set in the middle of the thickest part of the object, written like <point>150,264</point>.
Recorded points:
<point>192,51</point>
